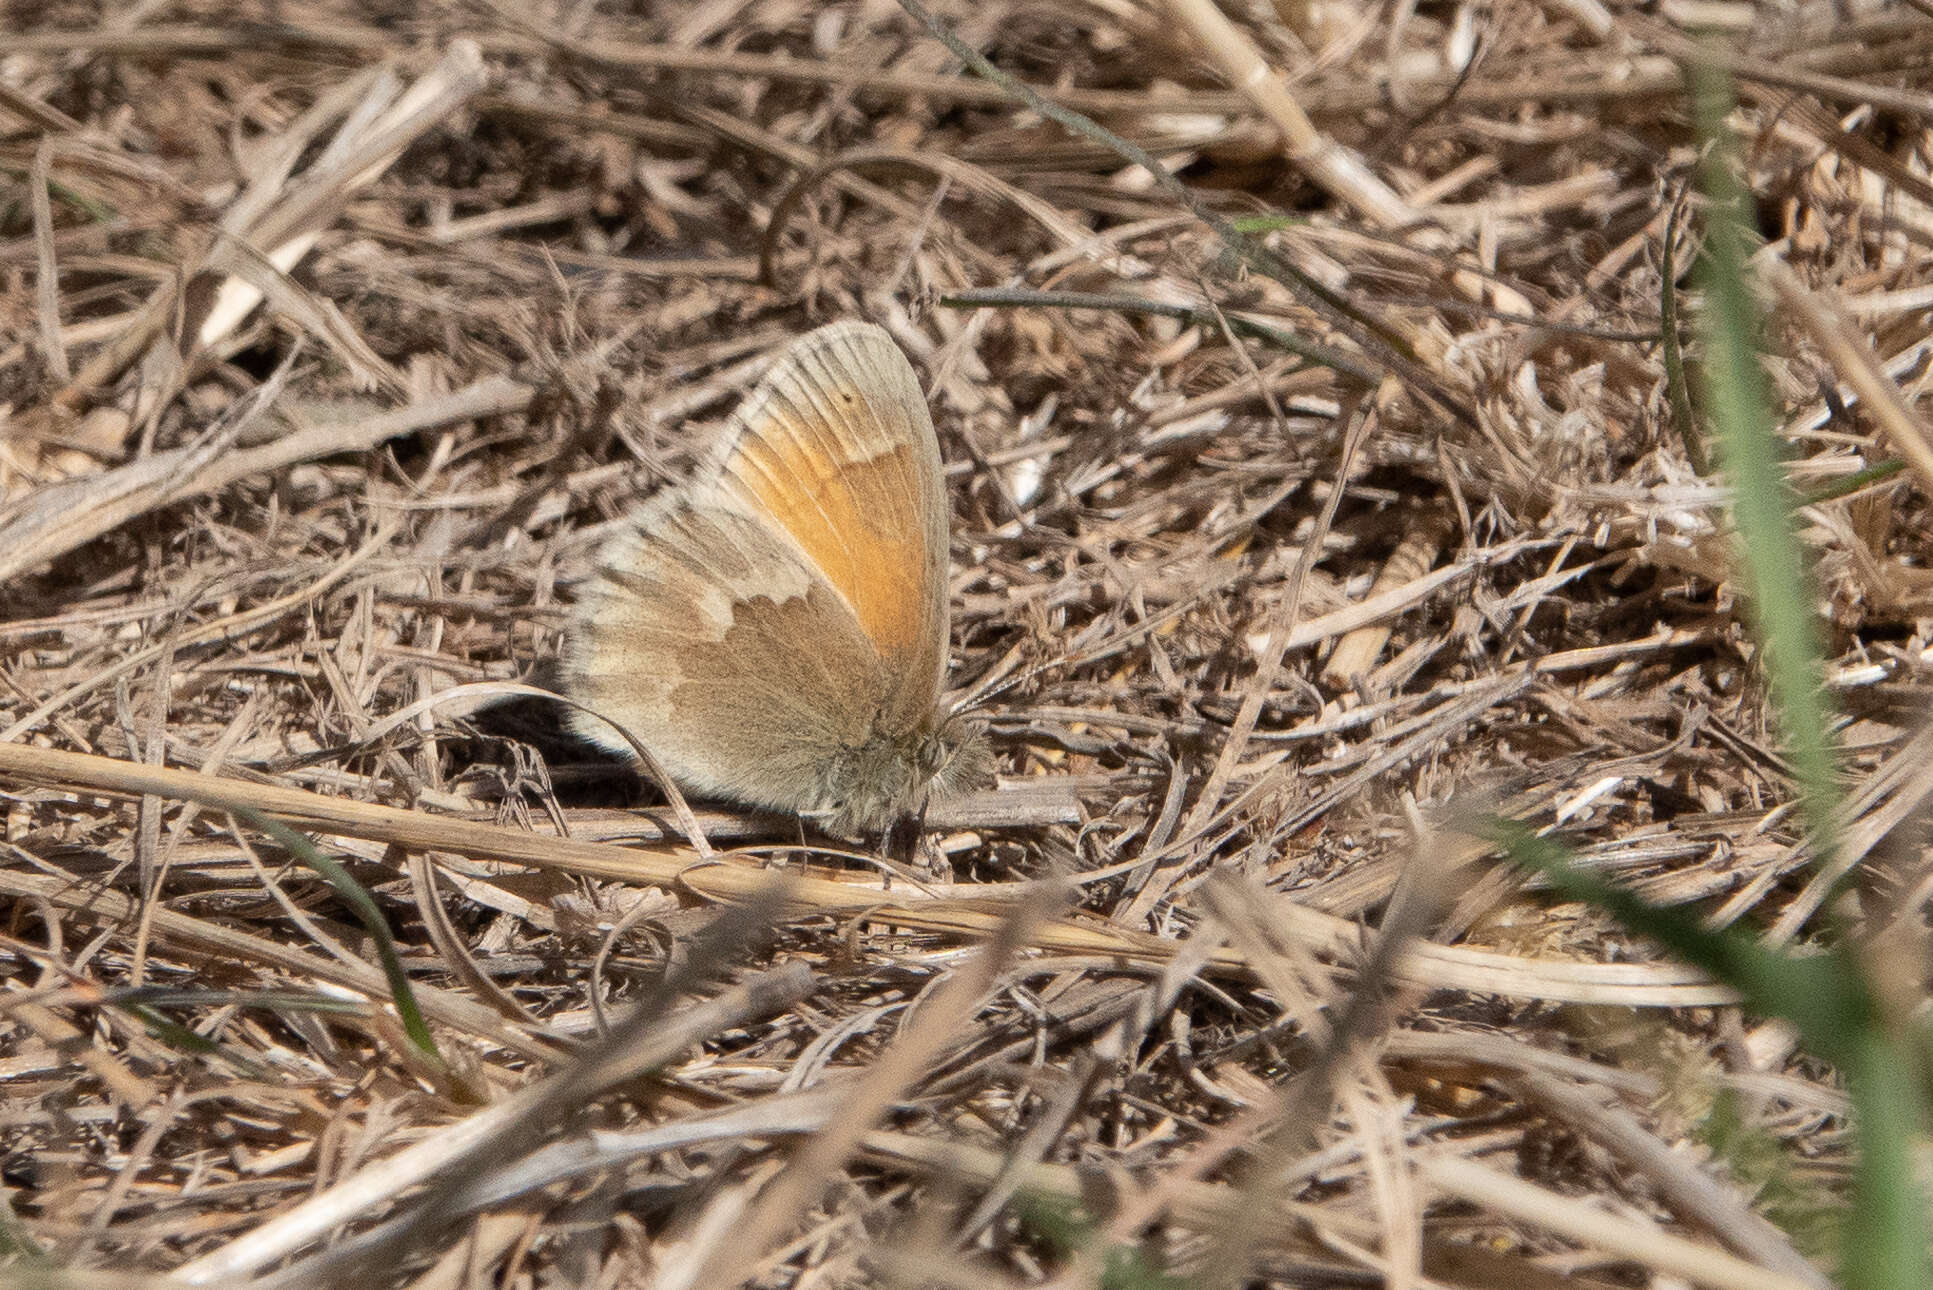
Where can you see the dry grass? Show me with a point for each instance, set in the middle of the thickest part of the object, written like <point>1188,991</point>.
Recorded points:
<point>333,338</point>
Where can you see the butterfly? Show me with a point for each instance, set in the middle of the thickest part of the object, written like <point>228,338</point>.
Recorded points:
<point>774,628</point>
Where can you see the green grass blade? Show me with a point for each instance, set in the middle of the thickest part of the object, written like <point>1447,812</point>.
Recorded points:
<point>1886,1236</point>
<point>1739,402</point>
<point>363,905</point>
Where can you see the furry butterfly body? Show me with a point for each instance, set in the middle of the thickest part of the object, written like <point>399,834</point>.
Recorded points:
<point>774,629</point>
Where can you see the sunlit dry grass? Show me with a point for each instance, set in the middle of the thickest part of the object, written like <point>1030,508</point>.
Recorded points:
<point>1302,518</point>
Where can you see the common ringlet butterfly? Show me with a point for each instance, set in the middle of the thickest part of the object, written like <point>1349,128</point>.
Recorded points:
<point>774,628</point>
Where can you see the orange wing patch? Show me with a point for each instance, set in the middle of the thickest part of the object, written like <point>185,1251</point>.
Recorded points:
<point>857,520</point>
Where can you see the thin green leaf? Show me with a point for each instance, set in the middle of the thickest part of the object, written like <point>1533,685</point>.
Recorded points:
<point>1740,406</point>
<point>1823,995</point>
<point>1886,1232</point>
<point>1677,388</point>
<point>1873,474</point>
<point>363,905</point>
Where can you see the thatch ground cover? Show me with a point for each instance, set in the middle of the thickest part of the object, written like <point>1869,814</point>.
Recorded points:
<point>333,338</point>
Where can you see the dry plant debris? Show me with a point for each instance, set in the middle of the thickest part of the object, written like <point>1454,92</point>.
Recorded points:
<point>334,336</point>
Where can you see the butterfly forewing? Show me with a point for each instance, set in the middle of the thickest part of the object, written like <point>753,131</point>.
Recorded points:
<point>837,451</point>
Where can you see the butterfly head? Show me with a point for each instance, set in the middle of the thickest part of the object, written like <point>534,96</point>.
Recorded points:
<point>872,785</point>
